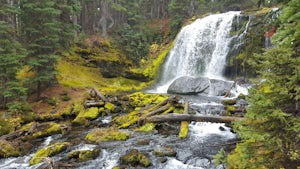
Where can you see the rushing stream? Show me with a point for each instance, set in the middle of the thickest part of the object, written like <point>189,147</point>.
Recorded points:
<point>200,50</point>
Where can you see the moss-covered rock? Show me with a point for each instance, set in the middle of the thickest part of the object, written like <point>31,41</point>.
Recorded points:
<point>85,115</point>
<point>134,158</point>
<point>48,151</point>
<point>230,109</point>
<point>229,102</point>
<point>164,151</point>
<point>48,129</point>
<point>98,135</point>
<point>148,127</point>
<point>140,99</point>
<point>84,155</point>
<point>8,150</point>
<point>109,106</point>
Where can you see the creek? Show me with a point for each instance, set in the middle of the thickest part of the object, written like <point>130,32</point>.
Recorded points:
<point>200,49</point>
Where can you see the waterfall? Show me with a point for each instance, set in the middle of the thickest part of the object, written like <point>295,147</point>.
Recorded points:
<point>200,50</point>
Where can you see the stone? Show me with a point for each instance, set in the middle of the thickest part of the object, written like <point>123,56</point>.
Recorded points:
<point>164,151</point>
<point>189,85</point>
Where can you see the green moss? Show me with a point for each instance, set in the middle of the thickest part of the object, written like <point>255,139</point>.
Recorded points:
<point>184,129</point>
<point>77,108</point>
<point>85,115</point>
<point>53,128</point>
<point>148,127</point>
<point>109,106</point>
<point>171,109</point>
<point>127,120</point>
<point>229,102</point>
<point>152,70</point>
<point>144,160</point>
<point>48,151</point>
<point>230,109</point>
<point>140,99</point>
<point>91,113</point>
<point>134,157</point>
<point>99,135</point>
<point>164,151</point>
<point>8,150</point>
<point>84,155</point>
<point>5,126</point>
<point>241,96</point>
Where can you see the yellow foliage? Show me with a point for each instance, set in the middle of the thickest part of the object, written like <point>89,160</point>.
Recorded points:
<point>25,72</point>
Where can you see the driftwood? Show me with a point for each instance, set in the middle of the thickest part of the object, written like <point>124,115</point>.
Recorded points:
<point>156,109</point>
<point>94,104</point>
<point>191,117</point>
<point>96,94</point>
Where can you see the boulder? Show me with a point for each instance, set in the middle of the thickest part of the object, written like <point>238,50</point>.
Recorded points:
<point>134,158</point>
<point>189,85</point>
<point>199,85</point>
<point>219,87</point>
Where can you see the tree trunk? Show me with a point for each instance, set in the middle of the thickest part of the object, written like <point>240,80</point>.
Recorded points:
<point>191,117</point>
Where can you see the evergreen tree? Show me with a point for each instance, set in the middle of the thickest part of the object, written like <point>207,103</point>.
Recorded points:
<point>11,55</point>
<point>47,27</point>
<point>270,132</point>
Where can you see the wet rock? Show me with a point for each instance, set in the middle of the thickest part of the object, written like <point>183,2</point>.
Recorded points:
<point>48,151</point>
<point>83,155</point>
<point>219,87</point>
<point>7,149</point>
<point>199,85</point>
<point>222,128</point>
<point>229,102</point>
<point>99,135</point>
<point>164,151</point>
<point>189,85</point>
<point>134,158</point>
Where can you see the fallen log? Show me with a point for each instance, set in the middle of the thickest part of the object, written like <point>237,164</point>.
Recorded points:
<point>157,106</point>
<point>94,104</point>
<point>96,94</point>
<point>191,117</point>
<point>184,126</point>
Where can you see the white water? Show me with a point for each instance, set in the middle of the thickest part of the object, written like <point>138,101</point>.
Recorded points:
<point>22,162</point>
<point>200,50</point>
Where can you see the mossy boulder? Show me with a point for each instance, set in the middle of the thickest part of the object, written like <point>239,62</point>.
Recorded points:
<point>134,158</point>
<point>229,102</point>
<point>84,155</point>
<point>7,149</point>
<point>164,151</point>
<point>48,151</point>
<point>140,99</point>
<point>230,109</point>
<point>48,129</point>
<point>85,115</point>
<point>99,135</point>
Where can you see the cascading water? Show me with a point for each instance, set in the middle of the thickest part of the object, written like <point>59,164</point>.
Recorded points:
<point>200,50</point>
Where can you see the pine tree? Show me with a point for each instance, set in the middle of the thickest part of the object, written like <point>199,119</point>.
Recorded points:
<point>270,133</point>
<point>47,27</point>
<point>11,55</point>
